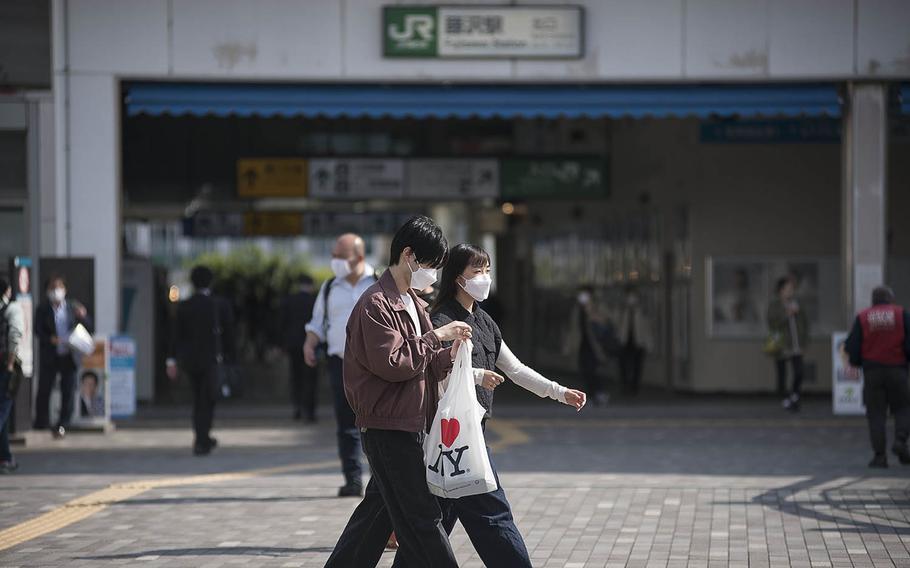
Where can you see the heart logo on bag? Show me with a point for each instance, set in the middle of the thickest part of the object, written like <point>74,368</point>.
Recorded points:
<point>450,430</point>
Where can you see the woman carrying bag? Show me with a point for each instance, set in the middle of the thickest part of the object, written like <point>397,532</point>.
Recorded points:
<point>487,518</point>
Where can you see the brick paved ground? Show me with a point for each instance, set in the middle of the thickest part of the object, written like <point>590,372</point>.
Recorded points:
<point>698,484</point>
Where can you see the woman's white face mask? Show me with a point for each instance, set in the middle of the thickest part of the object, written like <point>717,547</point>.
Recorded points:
<point>421,278</point>
<point>478,287</point>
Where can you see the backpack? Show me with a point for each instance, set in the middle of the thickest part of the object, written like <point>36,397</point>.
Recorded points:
<point>323,347</point>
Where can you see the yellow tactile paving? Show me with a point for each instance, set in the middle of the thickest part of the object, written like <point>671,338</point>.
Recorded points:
<point>87,505</point>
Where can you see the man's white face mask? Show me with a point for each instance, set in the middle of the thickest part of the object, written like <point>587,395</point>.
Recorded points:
<point>341,268</point>
<point>421,278</point>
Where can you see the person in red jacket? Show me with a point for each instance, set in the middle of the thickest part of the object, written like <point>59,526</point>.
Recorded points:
<point>880,344</point>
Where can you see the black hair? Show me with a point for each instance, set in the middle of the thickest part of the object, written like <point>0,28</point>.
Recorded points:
<point>783,281</point>
<point>54,278</point>
<point>425,238</point>
<point>460,257</point>
<point>4,285</point>
<point>201,276</point>
<point>882,295</point>
<point>91,374</point>
<point>305,279</point>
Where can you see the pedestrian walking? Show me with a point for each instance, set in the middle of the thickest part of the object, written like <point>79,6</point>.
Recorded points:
<point>393,362</point>
<point>636,340</point>
<point>879,342</point>
<point>203,338</point>
<point>487,518</point>
<point>55,319</point>
<point>591,354</point>
<point>296,312</point>
<point>12,328</point>
<point>326,332</point>
<point>788,324</point>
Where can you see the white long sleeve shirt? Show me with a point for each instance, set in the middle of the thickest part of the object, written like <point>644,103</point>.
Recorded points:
<point>342,298</point>
<point>524,376</point>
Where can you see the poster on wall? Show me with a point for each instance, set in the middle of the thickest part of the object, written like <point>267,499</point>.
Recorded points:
<point>847,386</point>
<point>92,399</point>
<point>21,282</point>
<point>452,178</point>
<point>740,289</point>
<point>357,178</point>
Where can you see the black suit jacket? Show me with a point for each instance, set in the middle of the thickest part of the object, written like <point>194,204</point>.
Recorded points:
<point>296,312</point>
<point>194,336</point>
<point>46,328</point>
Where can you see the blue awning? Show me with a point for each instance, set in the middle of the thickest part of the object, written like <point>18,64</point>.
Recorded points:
<point>480,101</point>
<point>904,95</point>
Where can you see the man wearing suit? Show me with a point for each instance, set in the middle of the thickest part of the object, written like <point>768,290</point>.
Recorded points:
<point>199,319</point>
<point>296,311</point>
<point>55,319</point>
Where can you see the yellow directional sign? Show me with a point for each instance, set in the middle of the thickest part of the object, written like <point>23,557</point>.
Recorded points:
<point>272,177</point>
<point>272,224</point>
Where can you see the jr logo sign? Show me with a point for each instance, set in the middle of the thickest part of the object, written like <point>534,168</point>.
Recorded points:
<point>409,31</point>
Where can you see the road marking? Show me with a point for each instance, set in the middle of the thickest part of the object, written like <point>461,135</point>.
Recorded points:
<point>86,506</point>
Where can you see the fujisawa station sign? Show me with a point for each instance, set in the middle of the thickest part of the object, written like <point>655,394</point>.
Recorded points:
<point>459,32</point>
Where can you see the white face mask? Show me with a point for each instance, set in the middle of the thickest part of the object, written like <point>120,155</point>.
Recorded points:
<point>341,268</point>
<point>584,298</point>
<point>422,277</point>
<point>57,295</point>
<point>478,287</point>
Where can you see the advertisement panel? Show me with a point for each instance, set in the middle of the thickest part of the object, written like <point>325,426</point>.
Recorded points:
<point>847,388</point>
<point>122,376</point>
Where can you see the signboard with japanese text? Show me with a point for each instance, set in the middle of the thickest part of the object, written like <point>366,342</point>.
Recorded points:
<point>483,31</point>
<point>357,178</point>
<point>122,376</point>
<point>554,177</point>
<point>847,386</point>
<point>452,178</point>
<point>271,177</point>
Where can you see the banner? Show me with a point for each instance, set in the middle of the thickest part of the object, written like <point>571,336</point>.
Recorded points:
<point>92,396</point>
<point>271,177</point>
<point>357,178</point>
<point>122,376</point>
<point>554,177</point>
<point>453,178</point>
<point>847,389</point>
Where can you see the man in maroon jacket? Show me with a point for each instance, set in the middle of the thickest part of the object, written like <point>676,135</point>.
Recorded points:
<point>393,361</point>
<point>880,344</point>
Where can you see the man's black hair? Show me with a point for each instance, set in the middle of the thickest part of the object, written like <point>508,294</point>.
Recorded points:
<point>4,286</point>
<point>305,279</point>
<point>91,374</point>
<point>425,238</point>
<point>882,295</point>
<point>783,281</point>
<point>201,276</point>
<point>54,278</point>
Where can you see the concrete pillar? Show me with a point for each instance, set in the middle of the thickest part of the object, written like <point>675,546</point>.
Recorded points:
<point>864,191</point>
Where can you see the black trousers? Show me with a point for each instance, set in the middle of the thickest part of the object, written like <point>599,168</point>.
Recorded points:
<point>203,403</point>
<point>397,490</point>
<point>631,358</point>
<point>50,368</point>
<point>348,434</point>
<point>796,361</point>
<point>884,388</point>
<point>587,366</point>
<point>303,380</point>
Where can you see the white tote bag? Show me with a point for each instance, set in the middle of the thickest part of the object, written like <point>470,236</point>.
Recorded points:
<point>455,451</point>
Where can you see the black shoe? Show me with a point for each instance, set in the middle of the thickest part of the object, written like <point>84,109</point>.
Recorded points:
<point>901,451</point>
<point>59,432</point>
<point>879,461</point>
<point>8,467</point>
<point>213,443</point>
<point>351,490</point>
<point>201,449</point>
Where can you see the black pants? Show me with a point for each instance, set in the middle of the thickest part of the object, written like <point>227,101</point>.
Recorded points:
<point>631,358</point>
<point>348,433</point>
<point>884,388</point>
<point>397,490</point>
<point>303,384</point>
<point>203,404</point>
<point>797,362</point>
<point>50,368</point>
